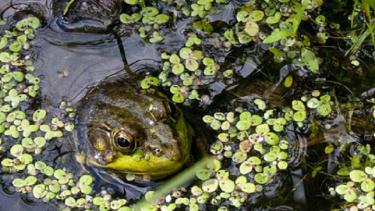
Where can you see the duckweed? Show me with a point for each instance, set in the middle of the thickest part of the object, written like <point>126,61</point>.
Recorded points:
<point>186,72</point>
<point>148,21</point>
<point>32,130</point>
<point>254,139</point>
<point>358,186</point>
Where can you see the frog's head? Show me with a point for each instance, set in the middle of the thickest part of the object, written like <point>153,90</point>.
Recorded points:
<point>138,134</point>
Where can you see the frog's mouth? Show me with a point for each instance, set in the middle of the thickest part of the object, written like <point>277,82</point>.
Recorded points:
<point>145,165</point>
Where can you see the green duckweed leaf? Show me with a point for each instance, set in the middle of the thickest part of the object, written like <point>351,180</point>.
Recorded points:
<point>30,22</point>
<point>116,204</point>
<point>324,109</point>
<point>239,156</point>
<point>262,129</point>
<point>243,125</point>
<point>274,19</point>
<point>227,185</point>
<point>131,2</point>
<point>16,46</point>
<point>309,59</point>
<point>251,28</point>
<point>149,81</point>
<point>162,19</point>
<point>156,37</point>
<point>192,65</point>
<point>299,116</point>
<point>149,12</point>
<point>5,57</point>
<point>256,15</point>
<point>16,150</point>
<point>357,176</point>
<point>177,69</point>
<point>271,138</point>
<point>39,191</point>
<point>242,16</point>
<point>31,180</point>
<point>210,185</point>
<point>256,120</point>
<point>277,35</point>
<point>313,103</point>
<point>245,115</point>
<point>350,195</point>
<point>39,115</point>
<point>298,105</point>
<point>261,178</point>
<point>282,165</point>
<point>248,188</point>
<point>70,202</point>
<point>270,157</point>
<point>203,174</point>
<point>260,103</point>
<point>368,185</point>
<point>3,42</point>
<point>19,183</point>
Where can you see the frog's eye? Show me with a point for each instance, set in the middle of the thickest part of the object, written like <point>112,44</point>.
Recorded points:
<point>124,142</point>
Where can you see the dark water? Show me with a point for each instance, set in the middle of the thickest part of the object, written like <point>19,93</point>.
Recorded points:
<point>70,63</point>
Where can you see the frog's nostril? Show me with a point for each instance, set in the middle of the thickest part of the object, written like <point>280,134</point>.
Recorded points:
<point>157,151</point>
<point>155,148</point>
<point>104,158</point>
<point>108,157</point>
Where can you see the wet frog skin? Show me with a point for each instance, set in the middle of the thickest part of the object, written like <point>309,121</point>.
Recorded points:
<point>90,15</point>
<point>135,133</point>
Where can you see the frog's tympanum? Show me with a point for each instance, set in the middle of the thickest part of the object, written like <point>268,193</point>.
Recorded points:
<point>130,132</point>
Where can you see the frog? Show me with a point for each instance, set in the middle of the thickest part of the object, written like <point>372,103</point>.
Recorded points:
<point>132,132</point>
<point>93,16</point>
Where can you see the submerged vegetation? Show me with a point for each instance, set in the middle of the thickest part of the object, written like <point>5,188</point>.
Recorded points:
<point>253,142</point>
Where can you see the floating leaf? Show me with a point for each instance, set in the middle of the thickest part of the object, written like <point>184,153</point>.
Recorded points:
<point>227,185</point>
<point>368,185</point>
<point>30,22</point>
<point>357,176</point>
<point>277,35</point>
<point>299,116</point>
<point>39,115</point>
<point>131,2</point>
<point>271,138</point>
<point>261,178</point>
<point>251,28</point>
<point>39,191</point>
<point>210,185</point>
<point>309,59</point>
<point>350,195</point>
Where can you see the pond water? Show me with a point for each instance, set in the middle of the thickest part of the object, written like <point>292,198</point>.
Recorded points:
<point>71,63</point>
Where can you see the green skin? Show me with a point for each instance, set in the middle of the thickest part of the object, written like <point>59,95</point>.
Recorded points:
<point>136,133</point>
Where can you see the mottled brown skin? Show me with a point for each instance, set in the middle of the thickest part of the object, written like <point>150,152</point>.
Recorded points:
<point>91,15</point>
<point>131,132</point>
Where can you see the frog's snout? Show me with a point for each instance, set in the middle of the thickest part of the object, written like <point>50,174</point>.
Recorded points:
<point>103,158</point>
<point>170,150</point>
